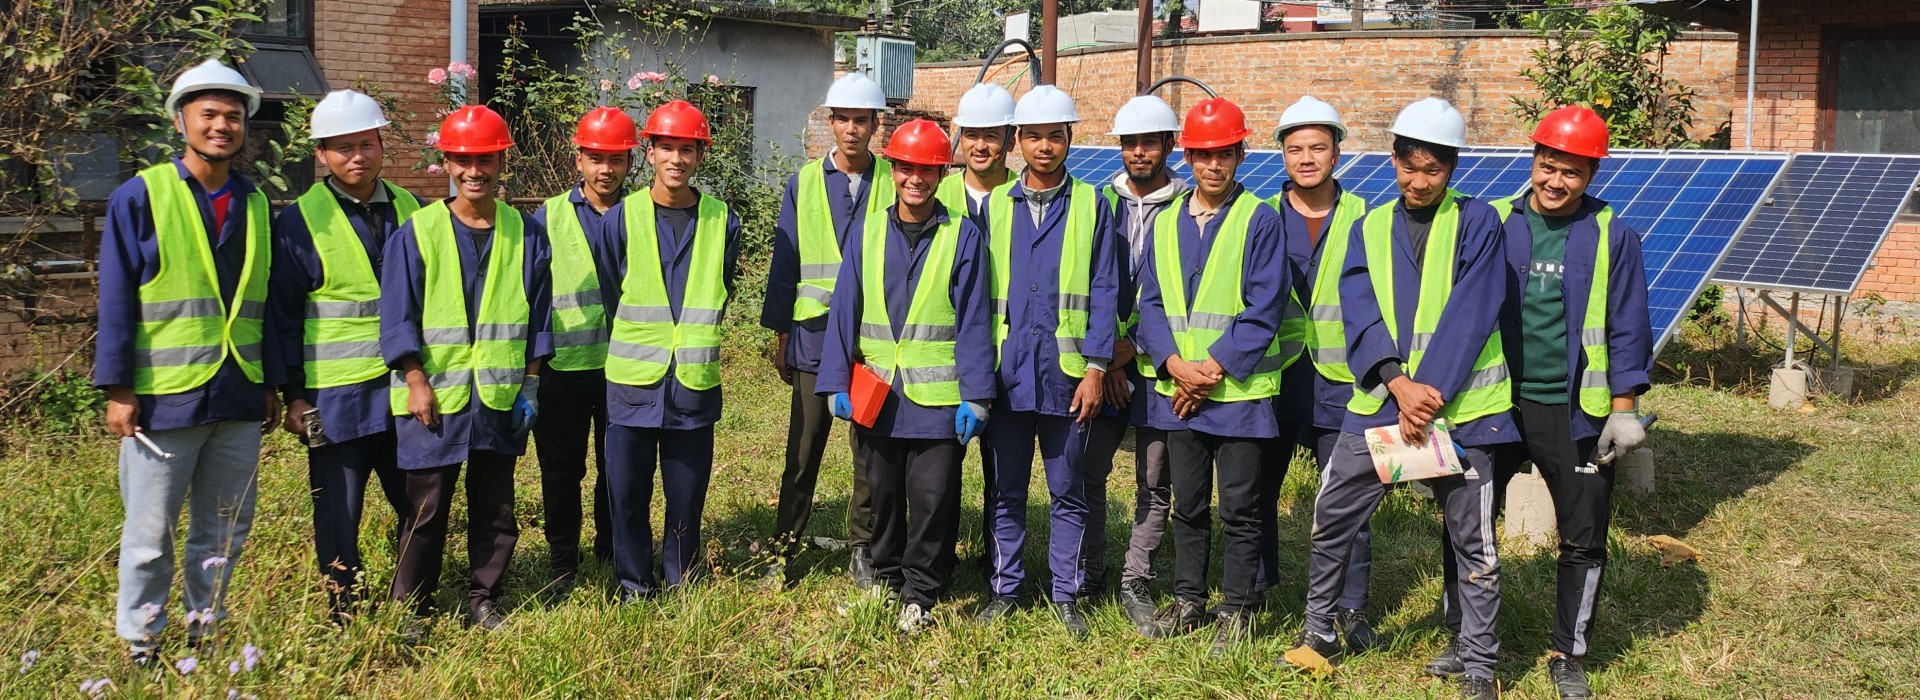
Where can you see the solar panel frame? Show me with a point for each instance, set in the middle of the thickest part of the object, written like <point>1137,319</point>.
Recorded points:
<point>1809,243</point>
<point>1264,172</point>
<point>1483,173</point>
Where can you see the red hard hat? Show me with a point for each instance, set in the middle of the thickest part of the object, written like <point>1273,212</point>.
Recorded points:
<point>1575,130</point>
<point>920,142</point>
<point>474,129</point>
<point>606,129</point>
<point>1214,122</point>
<point>678,119</point>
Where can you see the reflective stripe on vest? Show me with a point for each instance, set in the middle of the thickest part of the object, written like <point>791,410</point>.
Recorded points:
<point>647,338</point>
<point>1596,393</point>
<point>342,330</point>
<point>1488,388</point>
<point>492,357</point>
<point>819,246</point>
<point>1219,299</point>
<point>186,329</point>
<point>1326,332</point>
<point>920,360</point>
<point>579,316</point>
<point>1076,256</point>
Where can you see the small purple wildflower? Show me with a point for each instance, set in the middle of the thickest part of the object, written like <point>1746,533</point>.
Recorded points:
<point>28,659</point>
<point>186,666</point>
<point>253,655</point>
<point>213,563</point>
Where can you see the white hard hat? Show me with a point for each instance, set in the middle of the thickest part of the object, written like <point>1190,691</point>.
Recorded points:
<point>1310,111</point>
<point>984,105</point>
<point>1434,121</point>
<point>1046,104</point>
<point>1145,114</point>
<point>346,112</point>
<point>212,75</point>
<point>856,91</point>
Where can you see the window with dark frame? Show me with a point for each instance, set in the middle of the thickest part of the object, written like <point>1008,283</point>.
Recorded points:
<point>1874,99</point>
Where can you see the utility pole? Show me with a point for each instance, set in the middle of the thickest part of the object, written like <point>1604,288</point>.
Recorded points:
<point>1049,40</point>
<point>1357,15</point>
<point>1143,38</point>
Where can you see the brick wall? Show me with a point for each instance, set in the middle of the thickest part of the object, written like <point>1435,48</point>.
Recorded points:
<point>1787,107</point>
<point>393,43</point>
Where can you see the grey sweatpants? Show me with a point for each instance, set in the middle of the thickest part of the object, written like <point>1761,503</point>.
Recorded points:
<point>213,476</point>
<point>1349,492</point>
<point>1152,498</point>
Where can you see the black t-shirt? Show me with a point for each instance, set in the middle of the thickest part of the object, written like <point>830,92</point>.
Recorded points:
<point>679,220</point>
<point>1419,225</point>
<point>914,231</point>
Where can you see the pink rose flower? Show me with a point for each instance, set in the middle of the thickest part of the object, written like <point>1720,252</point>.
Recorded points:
<point>606,86</point>
<point>437,76</point>
<point>433,138</point>
<point>713,79</point>
<point>435,169</point>
<point>461,70</point>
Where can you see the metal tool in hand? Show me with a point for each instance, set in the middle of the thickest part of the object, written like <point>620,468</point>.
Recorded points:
<point>151,445</point>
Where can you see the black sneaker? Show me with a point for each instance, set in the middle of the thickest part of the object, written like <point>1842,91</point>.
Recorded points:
<point>1568,678</point>
<point>1137,601</point>
<point>997,607</point>
<point>1355,629</point>
<point>1072,619</point>
<point>416,631</point>
<point>1477,688</point>
<point>1447,663</point>
<point>1182,617</point>
<point>142,658</point>
<point>914,620</point>
<point>486,616</point>
<point>1230,630</point>
<point>1329,650</point>
<point>861,568</point>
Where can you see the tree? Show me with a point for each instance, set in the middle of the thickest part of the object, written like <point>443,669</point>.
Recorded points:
<point>1610,60</point>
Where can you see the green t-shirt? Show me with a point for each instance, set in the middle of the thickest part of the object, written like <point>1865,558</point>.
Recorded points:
<point>1543,315</point>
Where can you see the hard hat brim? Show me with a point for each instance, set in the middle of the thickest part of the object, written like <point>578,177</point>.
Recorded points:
<point>250,93</point>
<point>318,135</point>
<point>478,150</point>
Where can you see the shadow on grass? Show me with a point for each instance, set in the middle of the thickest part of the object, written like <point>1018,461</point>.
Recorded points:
<point>1708,357</point>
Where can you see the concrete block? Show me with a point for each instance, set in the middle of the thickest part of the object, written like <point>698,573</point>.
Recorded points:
<point>1529,517</point>
<point>1836,383</point>
<point>1788,389</point>
<point>1636,472</point>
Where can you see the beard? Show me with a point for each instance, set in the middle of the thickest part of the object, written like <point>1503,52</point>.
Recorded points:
<point>1149,177</point>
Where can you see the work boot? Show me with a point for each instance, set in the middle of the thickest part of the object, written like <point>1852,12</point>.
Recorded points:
<point>1478,688</point>
<point>914,620</point>
<point>486,616</point>
<point>773,576</point>
<point>1137,601</point>
<point>141,657</point>
<point>1568,678</point>
<point>1354,628</point>
<point>861,568</point>
<point>416,631</point>
<point>1072,619</point>
<point>561,583</point>
<point>1183,617</point>
<point>1230,630</point>
<point>997,607</point>
<point>1448,664</point>
<point>1328,649</point>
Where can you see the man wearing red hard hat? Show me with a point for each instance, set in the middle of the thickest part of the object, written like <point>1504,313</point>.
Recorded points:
<point>1215,289</point>
<point>574,388</point>
<point>910,304</point>
<point>667,259</point>
<point>1580,347</point>
<point>464,297</point>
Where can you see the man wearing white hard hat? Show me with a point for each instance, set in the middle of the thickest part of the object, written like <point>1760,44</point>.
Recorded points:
<point>1421,364</point>
<point>326,305</point>
<point>1316,212</point>
<point>823,204</point>
<point>1146,128</point>
<point>1056,270</point>
<point>983,129</point>
<point>188,358</point>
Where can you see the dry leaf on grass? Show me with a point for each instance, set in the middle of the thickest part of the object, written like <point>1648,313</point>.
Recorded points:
<point>1673,551</point>
<point>1308,660</point>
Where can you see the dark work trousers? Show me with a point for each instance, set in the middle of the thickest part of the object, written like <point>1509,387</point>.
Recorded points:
<point>916,512</point>
<point>1152,498</point>
<point>337,478</point>
<point>1350,492</point>
<point>1353,596</point>
<point>491,529</point>
<point>1011,437</point>
<point>1200,462</point>
<point>685,460</point>
<point>1582,507</point>
<point>573,408</point>
<point>809,424</point>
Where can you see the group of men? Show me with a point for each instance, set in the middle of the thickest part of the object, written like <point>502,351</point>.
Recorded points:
<point>408,337</point>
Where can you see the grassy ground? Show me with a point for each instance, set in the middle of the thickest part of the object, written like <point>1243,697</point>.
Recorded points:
<point>1808,588</point>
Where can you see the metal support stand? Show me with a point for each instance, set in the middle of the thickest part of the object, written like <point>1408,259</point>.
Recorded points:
<point>1740,322</point>
<point>1794,326</point>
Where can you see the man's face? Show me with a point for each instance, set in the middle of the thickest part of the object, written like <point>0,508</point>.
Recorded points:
<point>1422,178</point>
<point>353,159</point>
<point>214,124</point>
<point>1213,168</point>
<point>474,175</point>
<point>983,147</point>
<point>675,160</point>
<point>1044,146</point>
<point>852,130</point>
<point>1560,178</point>
<point>604,172</point>
<point>915,184</point>
<point>1311,155</point>
<point>1144,155</point>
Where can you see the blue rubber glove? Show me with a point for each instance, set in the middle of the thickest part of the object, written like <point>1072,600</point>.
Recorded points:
<point>842,406</point>
<point>969,420</point>
<point>526,406</point>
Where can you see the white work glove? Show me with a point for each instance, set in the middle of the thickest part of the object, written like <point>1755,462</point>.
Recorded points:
<point>1622,434</point>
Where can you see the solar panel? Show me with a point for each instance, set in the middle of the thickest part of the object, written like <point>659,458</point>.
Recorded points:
<point>1485,173</point>
<point>1264,172</point>
<point>1688,208</point>
<point>1819,229</point>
